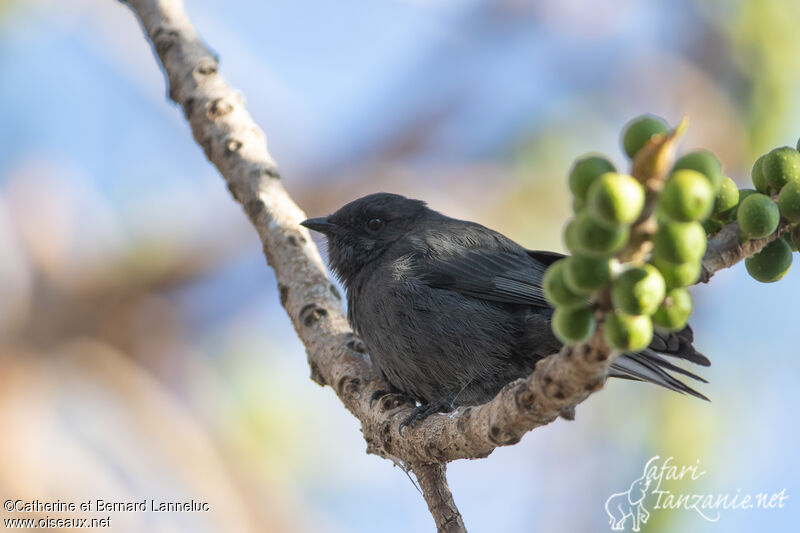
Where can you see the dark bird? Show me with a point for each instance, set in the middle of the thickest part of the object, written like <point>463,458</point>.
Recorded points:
<point>450,311</point>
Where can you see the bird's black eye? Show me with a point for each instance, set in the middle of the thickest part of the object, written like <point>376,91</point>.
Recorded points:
<point>374,224</point>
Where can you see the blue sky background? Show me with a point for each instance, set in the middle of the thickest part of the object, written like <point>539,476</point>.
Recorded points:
<point>115,231</point>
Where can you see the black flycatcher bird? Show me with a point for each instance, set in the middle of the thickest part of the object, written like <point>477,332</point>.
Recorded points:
<point>450,311</point>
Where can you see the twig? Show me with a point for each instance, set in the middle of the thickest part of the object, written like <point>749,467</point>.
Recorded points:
<point>725,249</point>
<point>437,494</point>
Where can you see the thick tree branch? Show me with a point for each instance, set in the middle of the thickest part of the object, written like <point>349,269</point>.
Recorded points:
<point>237,147</point>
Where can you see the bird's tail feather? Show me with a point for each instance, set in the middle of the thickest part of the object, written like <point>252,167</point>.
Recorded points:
<point>650,366</point>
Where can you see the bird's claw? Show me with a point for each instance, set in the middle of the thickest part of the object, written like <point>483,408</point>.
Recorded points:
<point>420,413</point>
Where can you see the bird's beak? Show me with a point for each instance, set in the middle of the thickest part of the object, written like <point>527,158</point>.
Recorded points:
<point>321,224</point>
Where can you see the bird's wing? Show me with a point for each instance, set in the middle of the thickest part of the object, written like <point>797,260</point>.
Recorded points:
<point>545,257</point>
<point>496,275</point>
<point>515,276</point>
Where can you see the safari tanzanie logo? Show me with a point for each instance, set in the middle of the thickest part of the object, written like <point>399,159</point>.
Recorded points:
<point>630,509</point>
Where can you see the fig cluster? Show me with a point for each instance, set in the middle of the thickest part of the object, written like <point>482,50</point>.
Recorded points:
<point>690,201</point>
<point>759,212</point>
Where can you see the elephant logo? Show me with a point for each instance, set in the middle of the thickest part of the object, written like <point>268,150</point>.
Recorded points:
<point>630,504</point>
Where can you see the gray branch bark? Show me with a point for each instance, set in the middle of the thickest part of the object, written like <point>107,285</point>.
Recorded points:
<point>726,248</point>
<point>237,147</point>
<point>433,483</point>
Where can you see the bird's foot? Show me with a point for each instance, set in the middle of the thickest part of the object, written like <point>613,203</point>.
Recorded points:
<point>420,413</point>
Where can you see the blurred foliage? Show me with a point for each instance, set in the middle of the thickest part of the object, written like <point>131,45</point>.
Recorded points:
<point>766,38</point>
<point>93,347</point>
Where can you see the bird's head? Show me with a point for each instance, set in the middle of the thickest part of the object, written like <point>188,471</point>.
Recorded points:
<point>362,230</point>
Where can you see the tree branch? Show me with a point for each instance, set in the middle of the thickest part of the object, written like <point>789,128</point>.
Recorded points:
<point>433,483</point>
<point>726,248</point>
<point>237,147</point>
